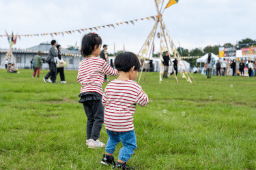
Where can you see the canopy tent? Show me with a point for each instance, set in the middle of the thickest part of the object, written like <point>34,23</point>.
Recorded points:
<point>204,58</point>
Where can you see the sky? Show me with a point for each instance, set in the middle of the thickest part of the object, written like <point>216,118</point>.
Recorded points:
<point>191,23</point>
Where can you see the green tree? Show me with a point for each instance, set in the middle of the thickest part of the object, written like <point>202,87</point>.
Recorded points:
<point>212,49</point>
<point>185,52</point>
<point>245,41</point>
<point>71,48</point>
<point>196,52</point>
<point>228,44</point>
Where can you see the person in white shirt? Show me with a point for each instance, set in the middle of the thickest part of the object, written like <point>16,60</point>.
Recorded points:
<point>6,63</point>
<point>223,66</point>
<point>250,67</point>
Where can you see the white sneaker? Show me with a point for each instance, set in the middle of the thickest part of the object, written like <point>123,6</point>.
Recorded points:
<point>63,82</point>
<point>49,80</point>
<point>95,144</point>
<point>89,140</point>
<point>45,80</point>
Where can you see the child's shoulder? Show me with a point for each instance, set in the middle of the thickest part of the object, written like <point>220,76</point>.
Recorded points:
<point>130,83</point>
<point>93,59</point>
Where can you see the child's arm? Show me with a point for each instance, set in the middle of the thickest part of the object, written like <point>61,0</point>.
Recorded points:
<point>108,70</point>
<point>80,75</point>
<point>104,99</point>
<point>142,98</point>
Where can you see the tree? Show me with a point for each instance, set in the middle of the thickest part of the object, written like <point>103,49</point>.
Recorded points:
<point>228,44</point>
<point>245,41</point>
<point>212,49</point>
<point>185,52</point>
<point>196,52</point>
<point>71,48</point>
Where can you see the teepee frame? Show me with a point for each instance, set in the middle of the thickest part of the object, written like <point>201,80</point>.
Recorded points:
<point>150,43</point>
<point>9,56</point>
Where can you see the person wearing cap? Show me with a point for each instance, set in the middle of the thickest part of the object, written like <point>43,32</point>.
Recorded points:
<point>104,56</point>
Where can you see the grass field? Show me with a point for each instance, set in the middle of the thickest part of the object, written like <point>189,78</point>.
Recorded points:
<point>42,126</point>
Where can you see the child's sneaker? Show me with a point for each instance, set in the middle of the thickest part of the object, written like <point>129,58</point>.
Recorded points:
<point>123,166</point>
<point>89,140</point>
<point>108,160</point>
<point>95,144</point>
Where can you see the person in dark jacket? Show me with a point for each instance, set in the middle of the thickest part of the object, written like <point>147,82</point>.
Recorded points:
<point>60,69</point>
<point>103,55</point>
<point>175,66</point>
<point>218,68</point>
<point>166,64</point>
<point>241,68</point>
<point>52,60</point>
<point>233,66</point>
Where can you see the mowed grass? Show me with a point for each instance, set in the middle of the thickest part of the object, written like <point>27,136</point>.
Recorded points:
<point>42,125</point>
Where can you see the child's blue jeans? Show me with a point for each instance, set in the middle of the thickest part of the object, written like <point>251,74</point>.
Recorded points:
<point>128,140</point>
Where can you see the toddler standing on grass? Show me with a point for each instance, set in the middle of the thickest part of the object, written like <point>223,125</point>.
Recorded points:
<point>120,99</point>
<point>91,76</point>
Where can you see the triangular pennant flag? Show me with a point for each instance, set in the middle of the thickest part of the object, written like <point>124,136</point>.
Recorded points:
<point>85,29</point>
<point>148,18</point>
<point>136,20</point>
<point>55,33</point>
<point>31,35</point>
<point>98,26</point>
<point>51,35</point>
<point>90,29</point>
<point>62,33</point>
<point>70,32</point>
<point>132,22</point>
<point>117,24</point>
<point>59,33</point>
<point>126,22</point>
<point>153,17</point>
<point>82,29</point>
<point>19,36</point>
<point>112,25</point>
<point>73,31</point>
<point>158,1</point>
<point>67,32</point>
<point>95,28</point>
<point>108,25</point>
<point>142,19</point>
<point>171,2</point>
<point>79,31</point>
<point>103,26</point>
<point>121,23</point>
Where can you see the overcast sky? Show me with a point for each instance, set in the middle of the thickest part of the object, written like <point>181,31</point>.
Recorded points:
<point>194,23</point>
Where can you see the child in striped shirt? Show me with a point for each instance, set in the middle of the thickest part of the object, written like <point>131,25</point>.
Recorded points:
<point>120,99</point>
<point>91,76</point>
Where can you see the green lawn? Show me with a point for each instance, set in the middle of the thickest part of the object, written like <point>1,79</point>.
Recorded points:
<point>42,126</point>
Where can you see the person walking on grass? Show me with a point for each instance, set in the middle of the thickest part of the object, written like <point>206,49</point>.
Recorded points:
<point>218,68</point>
<point>120,99</point>
<point>233,66</point>
<point>37,64</point>
<point>52,60</point>
<point>6,64</point>
<point>104,56</point>
<point>209,65</point>
<point>60,69</point>
<point>91,76</point>
<point>166,64</point>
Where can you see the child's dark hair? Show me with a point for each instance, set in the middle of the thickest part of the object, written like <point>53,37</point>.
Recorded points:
<point>53,42</point>
<point>125,61</point>
<point>88,43</point>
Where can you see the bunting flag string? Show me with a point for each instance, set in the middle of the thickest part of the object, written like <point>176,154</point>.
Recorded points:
<point>79,30</point>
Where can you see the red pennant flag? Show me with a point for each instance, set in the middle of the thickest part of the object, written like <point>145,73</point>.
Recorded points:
<point>82,29</point>
<point>142,19</point>
<point>126,22</point>
<point>55,33</point>
<point>108,25</point>
<point>117,24</point>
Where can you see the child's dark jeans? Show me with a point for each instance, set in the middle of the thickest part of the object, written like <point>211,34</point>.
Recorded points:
<point>94,111</point>
<point>128,140</point>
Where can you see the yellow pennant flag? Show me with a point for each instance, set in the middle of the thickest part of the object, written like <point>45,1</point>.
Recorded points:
<point>171,2</point>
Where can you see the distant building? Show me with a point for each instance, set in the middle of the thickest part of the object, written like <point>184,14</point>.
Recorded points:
<point>23,57</point>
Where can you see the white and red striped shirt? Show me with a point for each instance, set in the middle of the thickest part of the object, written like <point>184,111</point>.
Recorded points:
<point>91,74</point>
<point>120,99</point>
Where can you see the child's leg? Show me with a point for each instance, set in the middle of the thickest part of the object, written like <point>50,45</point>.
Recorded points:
<point>113,140</point>
<point>38,72</point>
<point>90,119</point>
<point>129,144</point>
<point>98,117</point>
<point>34,72</point>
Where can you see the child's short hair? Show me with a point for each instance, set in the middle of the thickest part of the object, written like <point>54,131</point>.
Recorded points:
<point>88,43</point>
<point>39,53</point>
<point>125,61</point>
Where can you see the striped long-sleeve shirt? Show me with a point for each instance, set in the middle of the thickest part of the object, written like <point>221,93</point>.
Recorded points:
<point>120,99</point>
<point>91,74</point>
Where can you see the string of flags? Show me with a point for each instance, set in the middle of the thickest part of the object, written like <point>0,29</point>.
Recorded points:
<point>78,30</point>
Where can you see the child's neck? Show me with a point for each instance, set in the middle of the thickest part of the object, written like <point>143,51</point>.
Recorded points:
<point>123,76</point>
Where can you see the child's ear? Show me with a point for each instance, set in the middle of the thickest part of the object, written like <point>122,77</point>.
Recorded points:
<point>132,69</point>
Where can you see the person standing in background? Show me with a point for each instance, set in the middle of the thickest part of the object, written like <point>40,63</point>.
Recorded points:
<point>104,56</point>
<point>166,64</point>
<point>60,69</point>
<point>175,65</point>
<point>233,66</point>
<point>223,66</point>
<point>37,64</point>
<point>250,67</point>
<point>6,63</point>
<point>218,68</point>
<point>241,68</point>
<point>209,65</point>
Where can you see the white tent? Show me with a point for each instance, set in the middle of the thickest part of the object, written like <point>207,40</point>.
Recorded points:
<point>204,58</point>
<point>182,65</point>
